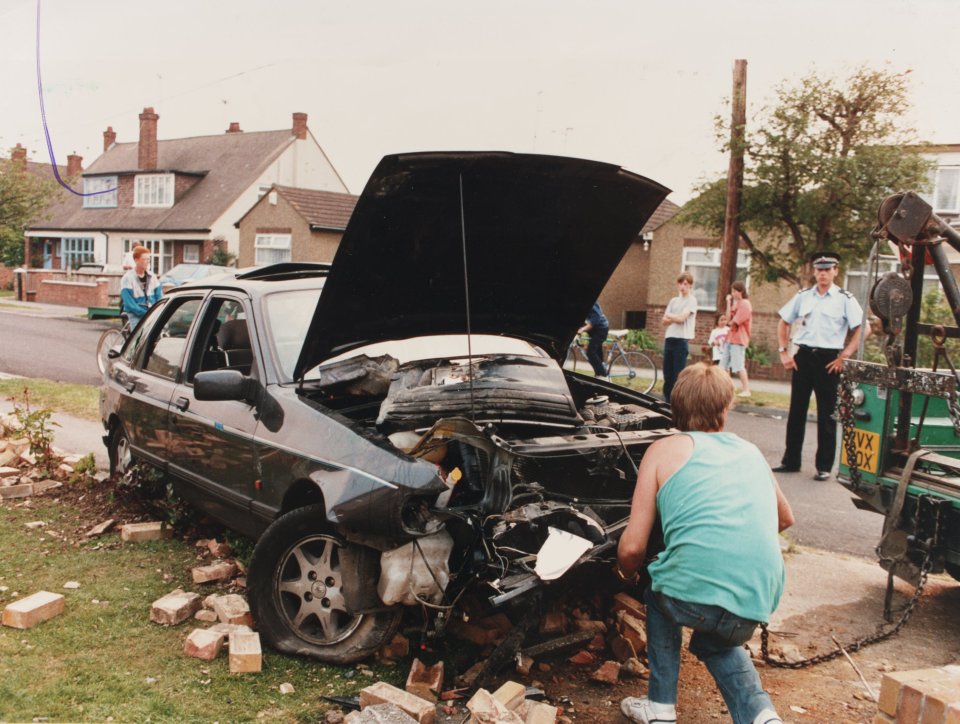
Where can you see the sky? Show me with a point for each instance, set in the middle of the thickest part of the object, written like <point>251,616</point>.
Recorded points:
<point>637,83</point>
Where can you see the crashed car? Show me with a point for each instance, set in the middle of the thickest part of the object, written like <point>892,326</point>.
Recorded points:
<point>396,429</point>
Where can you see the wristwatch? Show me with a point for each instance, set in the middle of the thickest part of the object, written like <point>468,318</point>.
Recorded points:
<point>781,350</point>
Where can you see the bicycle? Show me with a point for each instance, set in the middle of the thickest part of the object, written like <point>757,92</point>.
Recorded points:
<point>628,368</point>
<point>113,337</point>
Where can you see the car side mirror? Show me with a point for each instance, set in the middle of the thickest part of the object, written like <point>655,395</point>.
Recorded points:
<point>221,385</point>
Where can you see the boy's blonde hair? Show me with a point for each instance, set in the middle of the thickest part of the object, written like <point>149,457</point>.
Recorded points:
<point>700,397</point>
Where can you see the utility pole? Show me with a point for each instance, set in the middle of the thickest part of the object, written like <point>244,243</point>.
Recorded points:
<point>731,222</point>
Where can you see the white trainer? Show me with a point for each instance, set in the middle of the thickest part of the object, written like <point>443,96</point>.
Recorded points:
<point>767,716</point>
<point>648,712</point>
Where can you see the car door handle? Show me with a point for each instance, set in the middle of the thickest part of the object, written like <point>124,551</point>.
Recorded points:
<point>182,403</point>
<point>130,385</point>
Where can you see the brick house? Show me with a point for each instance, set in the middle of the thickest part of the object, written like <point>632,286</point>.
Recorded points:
<point>293,224</point>
<point>177,197</point>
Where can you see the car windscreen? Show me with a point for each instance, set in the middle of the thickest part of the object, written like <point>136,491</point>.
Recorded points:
<point>288,316</point>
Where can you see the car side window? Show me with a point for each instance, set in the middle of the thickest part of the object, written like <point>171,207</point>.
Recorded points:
<point>169,344</point>
<point>137,341</point>
<point>223,340</point>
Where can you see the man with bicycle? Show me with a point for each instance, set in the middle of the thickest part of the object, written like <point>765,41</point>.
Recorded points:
<point>139,288</point>
<point>597,326</point>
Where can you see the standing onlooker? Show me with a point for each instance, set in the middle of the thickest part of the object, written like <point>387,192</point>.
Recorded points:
<point>680,319</point>
<point>139,288</point>
<point>721,571</point>
<point>597,326</point>
<point>828,316</point>
<point>739,312</point>
<point>718,338</point>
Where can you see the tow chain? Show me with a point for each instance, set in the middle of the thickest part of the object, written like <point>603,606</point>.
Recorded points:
<point>855,645</point>
<point>845,407</point>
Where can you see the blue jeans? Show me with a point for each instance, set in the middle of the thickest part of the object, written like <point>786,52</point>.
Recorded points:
<point>675,350</point>
<point>718,638</point>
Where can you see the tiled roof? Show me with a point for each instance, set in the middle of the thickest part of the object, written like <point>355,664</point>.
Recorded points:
<point>324,209</point>
<point>231,162</point>
<point>664,212</point>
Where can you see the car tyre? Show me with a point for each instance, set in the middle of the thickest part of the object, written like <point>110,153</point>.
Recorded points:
<point>295,593</point>
<point>119,451</point>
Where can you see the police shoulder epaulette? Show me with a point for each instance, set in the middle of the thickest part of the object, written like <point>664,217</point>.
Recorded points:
<point>844,292</point>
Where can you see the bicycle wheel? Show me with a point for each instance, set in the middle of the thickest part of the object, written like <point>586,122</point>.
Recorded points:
<point>633,369</point>
<point>108,340</point>
<point>576,357</point>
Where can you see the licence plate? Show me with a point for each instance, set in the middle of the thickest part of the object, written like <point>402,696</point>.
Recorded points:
<point>868,450</point>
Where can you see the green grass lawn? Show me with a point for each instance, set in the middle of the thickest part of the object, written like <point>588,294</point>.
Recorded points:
<point>77,400</point>
<point>6,293</point>
<point>103,657</point>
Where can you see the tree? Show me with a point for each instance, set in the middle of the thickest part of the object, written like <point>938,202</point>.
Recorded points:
<point>23,198</point>
<point>822,158</point>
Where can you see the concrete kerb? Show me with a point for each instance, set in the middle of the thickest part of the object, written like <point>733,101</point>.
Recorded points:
<point>37,309</point>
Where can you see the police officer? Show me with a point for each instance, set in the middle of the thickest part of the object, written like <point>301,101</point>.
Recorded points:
<point>827,314</point>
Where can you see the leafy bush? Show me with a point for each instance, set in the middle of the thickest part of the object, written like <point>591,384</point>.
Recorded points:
<point>758,353</point>
<point>147,488</point>
<point>640,339</point>
<point>35,427</point>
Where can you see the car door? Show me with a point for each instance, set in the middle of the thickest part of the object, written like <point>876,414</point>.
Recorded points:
<point>215,452</point>
<point>148,372</point>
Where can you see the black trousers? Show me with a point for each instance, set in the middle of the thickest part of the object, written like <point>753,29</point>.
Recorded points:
<point>811,376</point>
<point>598,335</point>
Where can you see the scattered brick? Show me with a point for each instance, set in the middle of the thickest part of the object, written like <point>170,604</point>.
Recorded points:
<point>538,712</point>
<point>524,664</point>
<point>34,609</point>
<point>101,528</point>
<point>219,571</point>
<point>634,667</point>
<point>425,681</point>
<point>397,648</point>
<point>485,709</point>
<point>380,714</point>
<point>218,549</point>
<point>554,622</point>
<point>469,677</point>
<point>423,711</point>
<point>207,616</point>
<point>72,585</point>
<point>246,655</point>
<point>598,627</point>
<point>232,608</point>
<point>633,630</point>
<point>176,607</point>
<point>620,647</point>
<point>286,688</point>
<point>24,490</point>
<point>42,486</point>
<point>136,532</point>
<point>608,673</point>
<point>583,658</point>
<point>32,525</point>
<point>204,644</point>
<point>8,472</point>
<point>511,694</point>
<point>229,628</point>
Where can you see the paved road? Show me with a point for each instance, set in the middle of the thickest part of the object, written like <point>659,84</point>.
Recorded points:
<point>54,348</point>
<point>63,348</point>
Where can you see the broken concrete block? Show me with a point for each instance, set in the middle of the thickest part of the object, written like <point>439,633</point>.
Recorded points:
<point>100,528</point>
<point>207,616</point>
<point>7,472</point>
<point>627,603</point>
<point>423,711</point>
<point>537,712</point>
<point>219,571</point>
<point>524,664</point>
<point>28,457</point>
<point>23,490</point>
<point>135,532</point>
<point>34,609</point>
<point>232,608</point>
<point>246,655</point>
<point>380,714</point>
<point>485,709</point>
<point>229,628</point>
<point>204,644</point>
<point>425,681</point>
<point>218,549</point>
<point>65,469</point>
<point>175,607</point>
<point>634,667</point>
<point>511,694</point>
<point>608,673</point>
<point>286,688</point>
<point>42,486</point>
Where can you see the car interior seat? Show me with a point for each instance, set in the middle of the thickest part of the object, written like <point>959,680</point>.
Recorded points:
<point>234,340</point>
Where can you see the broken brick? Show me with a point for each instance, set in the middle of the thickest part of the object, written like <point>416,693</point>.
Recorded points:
<point>246,655</point>
<point>538,712</point>
<point>380,714</point>
<point>287,688</point>
<point>397,648</point>
<point>583,658</point>
<point>524,664</point>
<point>608,673</point>
<point>634,667</point>
<point>597,643</point>
<point>204,644</point>
<point>383,693</point>
<point>218,549</point>
<point>554,622</point>
<point>36,608</point>
<point>229,628</point>
<point>5,471</point>
<point>41,486</point>
<point>425,681</point>
<point>511,694</point>
<point>232,608</point>
<point>628,604</point>
<point>485,709</point>
<point>469,677</point>
<point>24,490</point>
<point>219,571</point>
<point>598,627</point>
<point>100,528</point>
<point>633,630</point>
<point>175,607</point>
<point>620,647</point>
<point>136,532</point>
<point>206,615</point>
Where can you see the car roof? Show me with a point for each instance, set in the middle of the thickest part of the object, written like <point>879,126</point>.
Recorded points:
<point>263,280</point>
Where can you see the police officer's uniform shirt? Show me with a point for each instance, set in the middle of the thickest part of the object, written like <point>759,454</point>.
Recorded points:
<point>824,319</point>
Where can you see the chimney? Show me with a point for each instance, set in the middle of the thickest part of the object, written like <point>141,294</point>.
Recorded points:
<point>300,126</point>
<point>147,148</point>
<point>109,138</point>
<point>234,127</point>
<point>74,164</point>
<point>19,155</point>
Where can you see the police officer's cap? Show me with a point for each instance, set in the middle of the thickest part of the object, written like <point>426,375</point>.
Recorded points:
<point>824,259</point>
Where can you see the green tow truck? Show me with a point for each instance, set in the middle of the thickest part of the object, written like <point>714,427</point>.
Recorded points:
<point>900,447</point>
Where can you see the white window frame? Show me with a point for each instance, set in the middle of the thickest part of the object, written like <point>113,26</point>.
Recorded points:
<point>161,253</point>
<point>153,191</point>
<point>76,251</point>
<point>937,183</point>
<point>713,262</point>
<point>104,190</point>
<point>191,253</point>
<point>272,242</point>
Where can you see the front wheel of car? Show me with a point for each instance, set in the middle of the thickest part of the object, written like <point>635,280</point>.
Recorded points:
<point>295,591</point>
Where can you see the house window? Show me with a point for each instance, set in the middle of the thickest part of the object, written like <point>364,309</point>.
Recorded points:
<point>272,248</point>
<point>161,253</point>
<point>945,182</point>
<point>858,280</point>
<point>704,265</point>
<point>262,190</point>
<point>191,253</point>
<point>154,190</point>
<point>76,251</point>
<point>104,190</point>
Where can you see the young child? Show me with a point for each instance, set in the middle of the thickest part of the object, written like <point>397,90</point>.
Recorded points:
<point>718,338</point>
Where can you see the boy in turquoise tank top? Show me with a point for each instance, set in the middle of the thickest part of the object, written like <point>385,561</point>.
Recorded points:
<point>721,571</point>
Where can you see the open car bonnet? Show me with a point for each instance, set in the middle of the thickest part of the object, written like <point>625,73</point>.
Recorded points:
<point>481,242</point>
